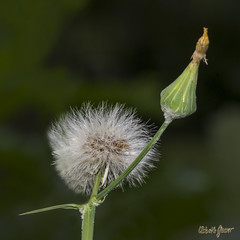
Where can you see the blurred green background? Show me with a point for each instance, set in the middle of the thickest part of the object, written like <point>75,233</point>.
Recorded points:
<point>57,54</point>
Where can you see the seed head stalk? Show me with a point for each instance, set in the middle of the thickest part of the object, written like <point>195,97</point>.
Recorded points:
<point>156,137</point>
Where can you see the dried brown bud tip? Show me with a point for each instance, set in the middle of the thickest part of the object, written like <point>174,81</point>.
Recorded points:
<point>201,48</point>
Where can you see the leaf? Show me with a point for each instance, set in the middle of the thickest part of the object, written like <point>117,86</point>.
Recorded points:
<point>61,206</point>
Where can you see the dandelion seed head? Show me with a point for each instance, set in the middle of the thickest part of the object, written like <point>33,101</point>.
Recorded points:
<point>106,139</point>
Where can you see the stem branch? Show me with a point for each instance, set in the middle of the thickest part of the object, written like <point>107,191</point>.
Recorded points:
<point>88,213</point>
<point>156,137</point>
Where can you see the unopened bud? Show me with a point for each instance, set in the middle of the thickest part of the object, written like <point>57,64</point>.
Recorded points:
<point>178,100</point>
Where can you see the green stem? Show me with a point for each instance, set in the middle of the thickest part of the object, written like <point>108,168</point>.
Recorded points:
<point>156,137</point>
<point>88,221</point>
<point>88,212</point>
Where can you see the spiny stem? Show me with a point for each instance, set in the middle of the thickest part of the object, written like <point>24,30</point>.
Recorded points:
<point>88,221</point>
<point>88,212</point>
<point>156,137</point>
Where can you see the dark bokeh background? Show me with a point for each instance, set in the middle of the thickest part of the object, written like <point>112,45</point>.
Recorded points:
<point>56,54</point>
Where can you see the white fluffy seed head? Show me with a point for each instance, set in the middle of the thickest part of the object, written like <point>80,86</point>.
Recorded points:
<point>106,139</point>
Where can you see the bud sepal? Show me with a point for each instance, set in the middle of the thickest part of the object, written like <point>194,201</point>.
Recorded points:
<point>178,100</point>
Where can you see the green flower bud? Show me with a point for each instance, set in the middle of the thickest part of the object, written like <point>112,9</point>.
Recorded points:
<point>178,100</point>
